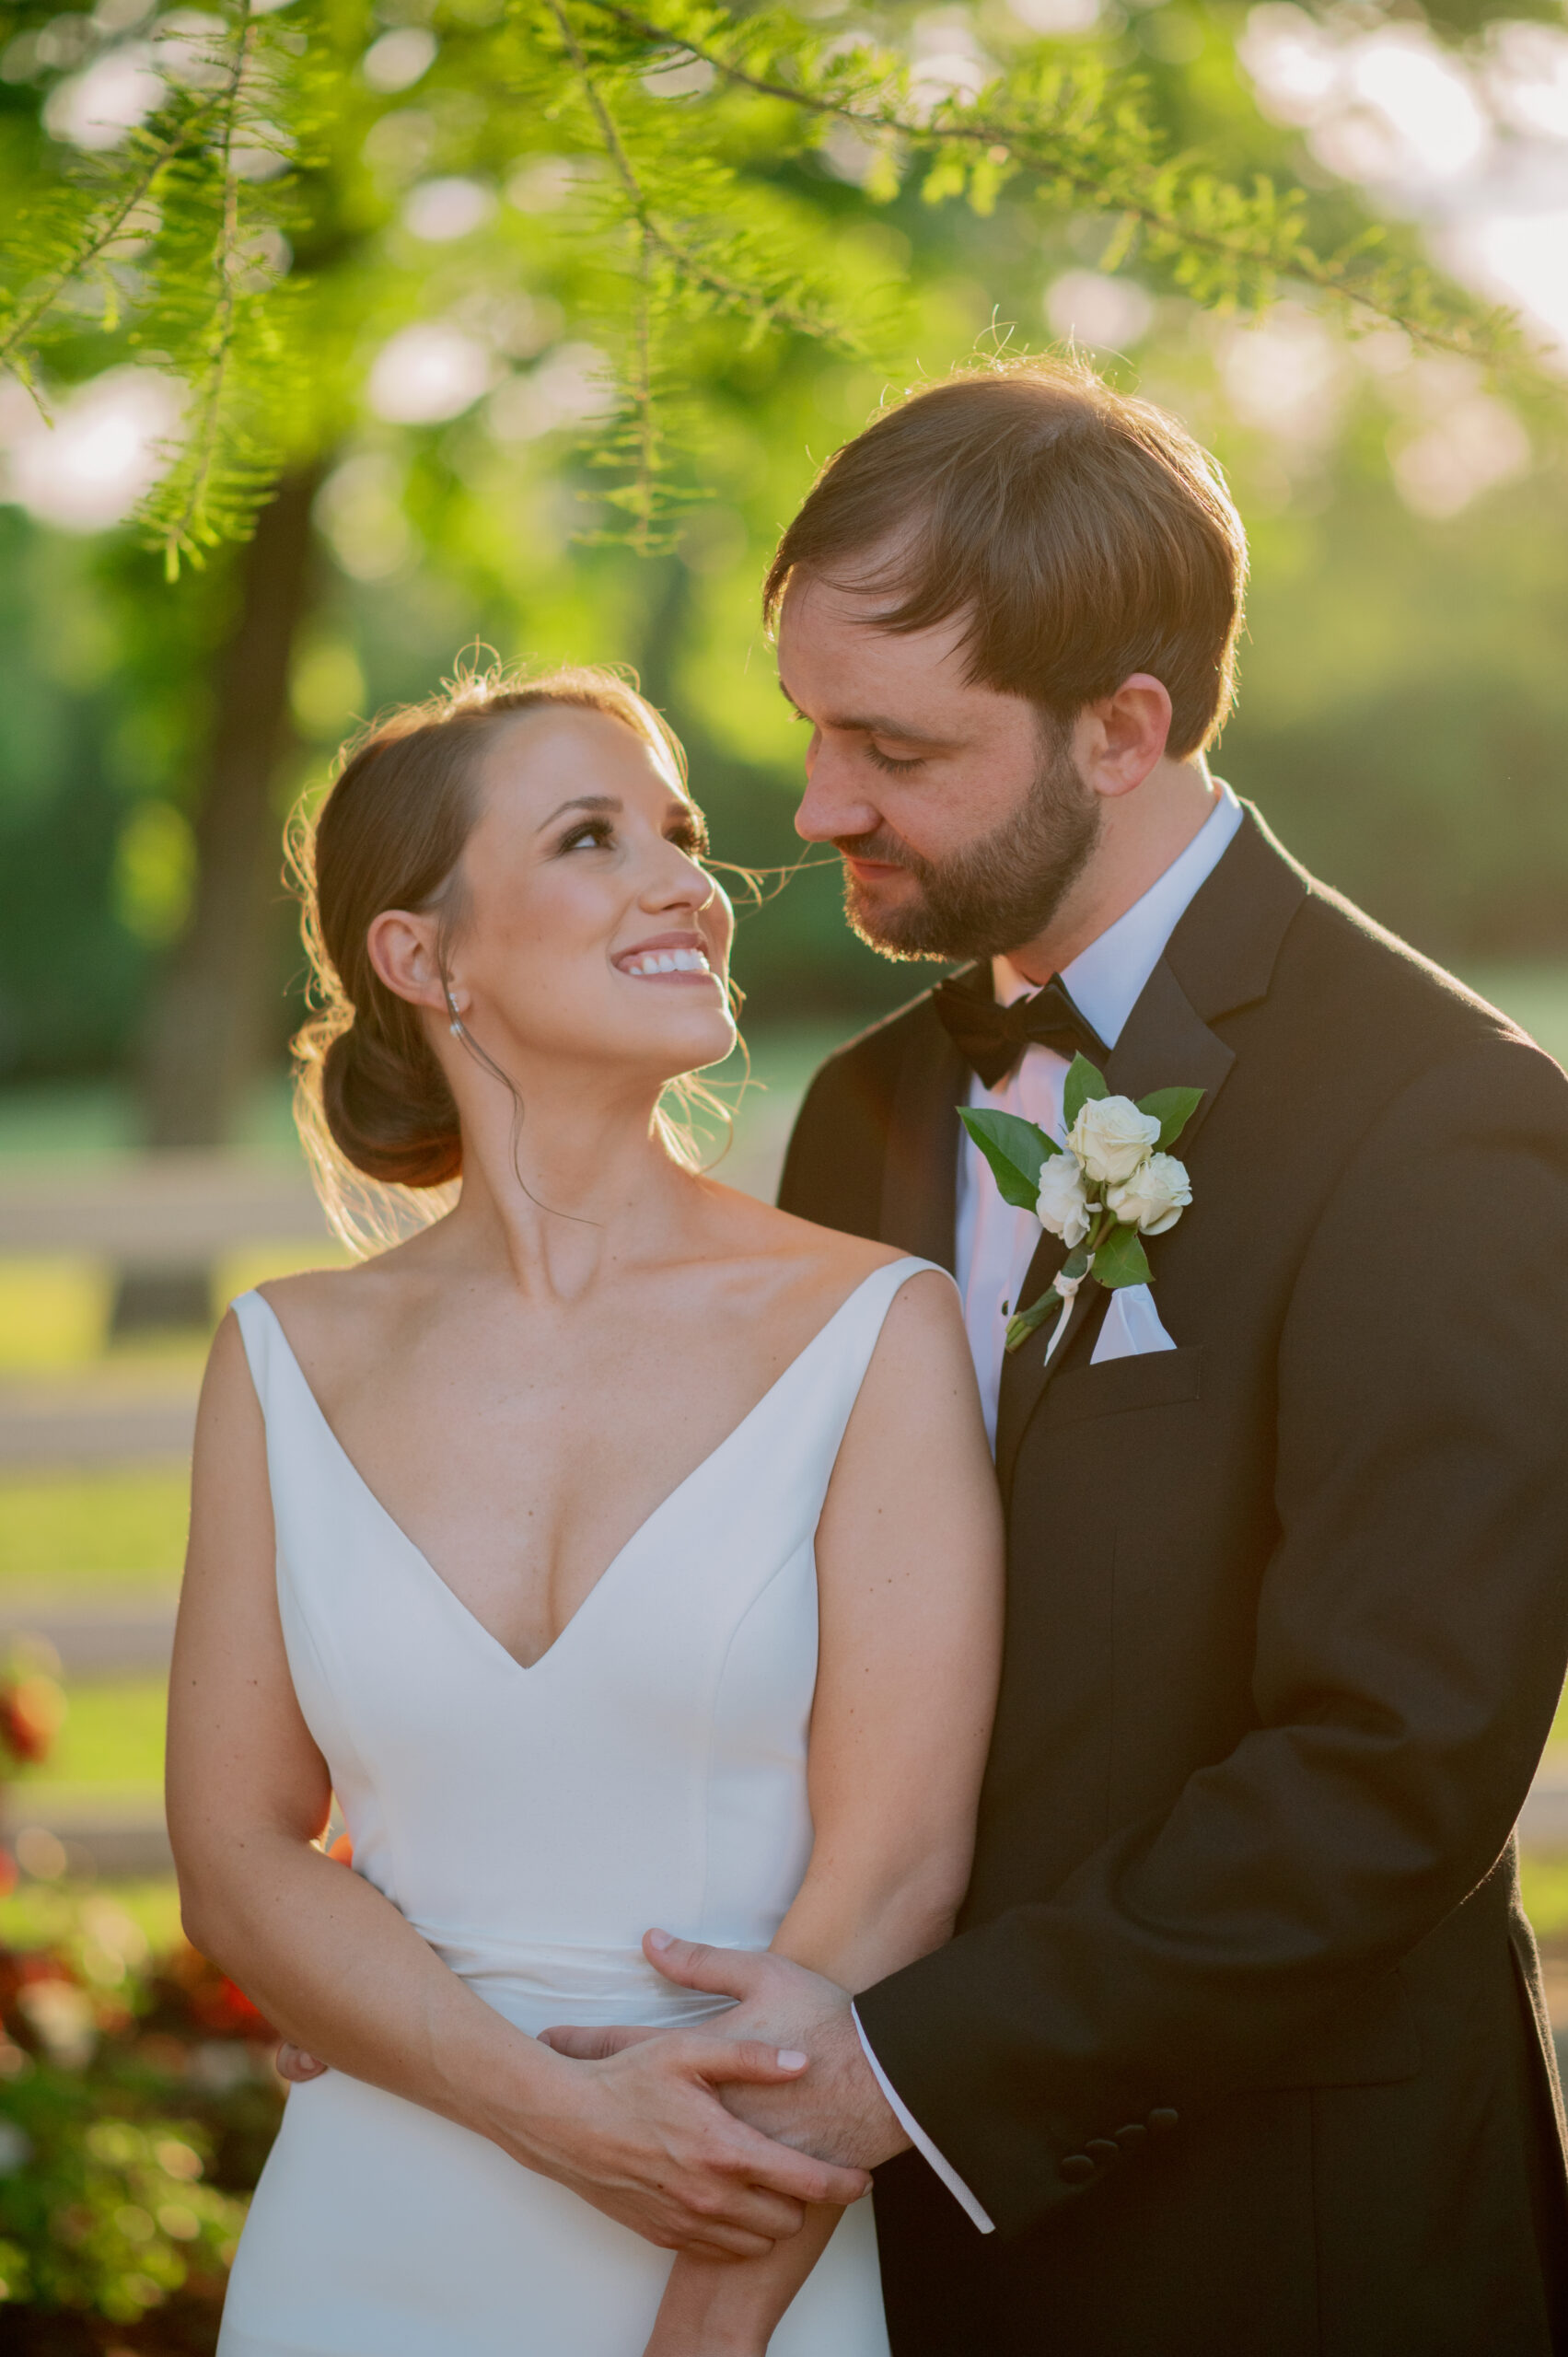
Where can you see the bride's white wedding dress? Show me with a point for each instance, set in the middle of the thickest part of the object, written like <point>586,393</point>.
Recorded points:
<point>650,1768</point>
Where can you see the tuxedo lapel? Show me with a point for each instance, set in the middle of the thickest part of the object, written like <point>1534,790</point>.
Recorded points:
<point>1220,956</point>
<point>919,1176</point>
<point>1166,1044</point>
<point>1025,1372</point>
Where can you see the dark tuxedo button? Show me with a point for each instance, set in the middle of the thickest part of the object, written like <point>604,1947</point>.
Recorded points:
<point>1132,2135</point>
<point>1077,2168</point>
<point>1162,2118</point>
<point>1102,2152</point>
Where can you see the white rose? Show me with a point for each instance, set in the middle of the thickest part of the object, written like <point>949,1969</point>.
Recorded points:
<point>1064,1207</point>
<point>1155,1197</point>
<point>1111,1138</point>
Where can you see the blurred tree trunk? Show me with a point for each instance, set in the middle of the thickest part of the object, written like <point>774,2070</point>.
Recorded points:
<point>208,1013</point>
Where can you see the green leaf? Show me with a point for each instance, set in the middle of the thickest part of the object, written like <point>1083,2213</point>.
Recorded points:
<point>1015,1150</point>
<point>1083,1083</point>
<point>1121,1261</point>
<point>1023,1326</point>
<point>1172,1108</point>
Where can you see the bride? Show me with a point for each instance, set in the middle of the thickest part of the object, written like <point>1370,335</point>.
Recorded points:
<point>621,1552</point>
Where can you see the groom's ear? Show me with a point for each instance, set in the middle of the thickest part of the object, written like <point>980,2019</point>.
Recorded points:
<point>1121,738</point>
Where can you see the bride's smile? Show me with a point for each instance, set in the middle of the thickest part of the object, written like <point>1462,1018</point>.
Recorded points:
<point>581,884</point>
<point>678,956</point>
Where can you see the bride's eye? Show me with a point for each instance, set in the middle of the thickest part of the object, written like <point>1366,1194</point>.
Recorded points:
<point>690,836</point>
<point>594,834</point>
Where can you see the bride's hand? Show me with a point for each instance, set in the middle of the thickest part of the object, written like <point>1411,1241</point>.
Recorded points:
<point>644,2136</point>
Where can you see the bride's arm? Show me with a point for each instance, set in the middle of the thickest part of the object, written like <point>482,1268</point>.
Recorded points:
<point>339,1970</point>
<point>909,1566</point>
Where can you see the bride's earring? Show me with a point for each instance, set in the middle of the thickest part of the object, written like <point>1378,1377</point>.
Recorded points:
<point>455,1027</point>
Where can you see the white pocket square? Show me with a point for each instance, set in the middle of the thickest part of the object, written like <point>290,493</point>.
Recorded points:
<point>1131,1327</point>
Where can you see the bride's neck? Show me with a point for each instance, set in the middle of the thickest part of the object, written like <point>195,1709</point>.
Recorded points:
<point>578,1183</point>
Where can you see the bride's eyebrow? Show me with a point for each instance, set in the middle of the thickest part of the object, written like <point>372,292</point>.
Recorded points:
<point>581,801</point>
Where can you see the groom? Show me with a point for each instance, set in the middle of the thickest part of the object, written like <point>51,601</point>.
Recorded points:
<point>1241,2049</point>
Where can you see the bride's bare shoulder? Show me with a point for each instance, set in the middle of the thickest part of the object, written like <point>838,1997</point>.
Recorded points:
<point>317,1304</point>
<point>760,1228</point>
<point>815,1269</point>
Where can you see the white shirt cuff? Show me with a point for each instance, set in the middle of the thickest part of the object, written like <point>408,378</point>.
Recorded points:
<point>921,2140</point>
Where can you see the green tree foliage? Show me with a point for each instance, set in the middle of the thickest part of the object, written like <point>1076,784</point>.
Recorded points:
<point>798,251</point>
<point>693,137</point>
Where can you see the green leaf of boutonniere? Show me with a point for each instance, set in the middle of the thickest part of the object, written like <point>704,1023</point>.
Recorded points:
<point>1172,1108</point>
<point>1121,1261</point>
<point>1082,1084</point>
<point>1013,1148</point>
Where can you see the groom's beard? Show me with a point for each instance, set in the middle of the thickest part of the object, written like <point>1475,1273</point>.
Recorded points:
<point>996,894</point>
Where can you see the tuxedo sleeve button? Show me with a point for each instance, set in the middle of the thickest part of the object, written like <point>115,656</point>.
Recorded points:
<point>1132,2135</point>
<point>1077,2168</point>
<point>1162,2118</point>
<point>1102,2151</point>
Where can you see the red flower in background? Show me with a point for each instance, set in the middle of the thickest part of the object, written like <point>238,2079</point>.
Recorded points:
<point>31,1712</point>
<point>209,2000</point>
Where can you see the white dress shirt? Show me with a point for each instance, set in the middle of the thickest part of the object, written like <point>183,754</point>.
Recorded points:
<point>995,1242</point>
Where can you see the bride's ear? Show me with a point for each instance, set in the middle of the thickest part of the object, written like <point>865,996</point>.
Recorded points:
<point>402,947</point>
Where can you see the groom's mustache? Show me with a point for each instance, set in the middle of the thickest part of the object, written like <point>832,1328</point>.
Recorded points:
<point>881,846</point>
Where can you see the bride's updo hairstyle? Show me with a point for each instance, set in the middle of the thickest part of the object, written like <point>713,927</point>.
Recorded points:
<point>376,1117</point>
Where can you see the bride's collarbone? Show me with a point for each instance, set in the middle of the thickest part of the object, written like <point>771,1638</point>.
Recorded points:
<point>521,1493</point>
<point>520,1453</point>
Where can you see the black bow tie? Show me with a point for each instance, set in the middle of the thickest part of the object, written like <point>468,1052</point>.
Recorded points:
<point>991,1039</point>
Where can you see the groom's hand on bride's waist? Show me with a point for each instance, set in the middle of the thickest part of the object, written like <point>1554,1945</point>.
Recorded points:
<point>835,2109</point>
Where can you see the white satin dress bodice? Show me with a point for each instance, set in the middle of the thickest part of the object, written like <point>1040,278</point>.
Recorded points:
<point>532,1824</point>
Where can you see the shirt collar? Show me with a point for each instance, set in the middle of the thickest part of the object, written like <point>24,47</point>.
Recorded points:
<point>1106,980</point>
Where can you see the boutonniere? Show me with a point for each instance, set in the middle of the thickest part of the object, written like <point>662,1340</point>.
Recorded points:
<point>1112,1184</point>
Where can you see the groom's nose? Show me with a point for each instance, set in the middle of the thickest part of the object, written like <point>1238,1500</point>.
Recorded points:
<point>834,807</point>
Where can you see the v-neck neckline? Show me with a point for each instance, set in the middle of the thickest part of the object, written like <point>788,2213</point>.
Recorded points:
<point>528,1668</point>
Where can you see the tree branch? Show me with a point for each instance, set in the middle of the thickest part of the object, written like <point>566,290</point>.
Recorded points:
<point>1002,140</point>
<point>178,538</point>
<point>683,256</point>
<point>98,241</point>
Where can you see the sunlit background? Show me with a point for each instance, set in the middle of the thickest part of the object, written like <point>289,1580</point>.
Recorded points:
<point>1403,710</point>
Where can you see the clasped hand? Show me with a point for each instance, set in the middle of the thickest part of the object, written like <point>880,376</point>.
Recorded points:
<point>833,2108</point>
<point>643,2133</point>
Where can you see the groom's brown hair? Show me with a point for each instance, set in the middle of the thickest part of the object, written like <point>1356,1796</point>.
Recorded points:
<point>1084,535</point>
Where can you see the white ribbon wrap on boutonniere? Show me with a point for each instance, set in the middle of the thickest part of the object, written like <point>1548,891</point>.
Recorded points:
<point>1066,1289</point>
<point>1112,1182</point>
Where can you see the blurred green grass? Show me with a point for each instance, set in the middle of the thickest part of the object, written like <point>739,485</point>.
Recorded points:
<point>41,1914</point>
<point>113,1736</point>
<point>65,1526</point>
<point>1544,1882</point>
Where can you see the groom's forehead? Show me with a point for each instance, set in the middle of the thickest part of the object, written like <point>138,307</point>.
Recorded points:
<point>835,639</point>
<point>900,687</point>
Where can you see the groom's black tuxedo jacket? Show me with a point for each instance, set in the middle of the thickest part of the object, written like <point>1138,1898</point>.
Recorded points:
<point>1241,2040</point>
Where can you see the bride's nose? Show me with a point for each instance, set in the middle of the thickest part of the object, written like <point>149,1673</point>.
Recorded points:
<point>677,882</point>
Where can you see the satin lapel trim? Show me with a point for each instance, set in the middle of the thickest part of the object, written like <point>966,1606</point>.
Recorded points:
<point>919,1176</point>
<point>1166,1044</point>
